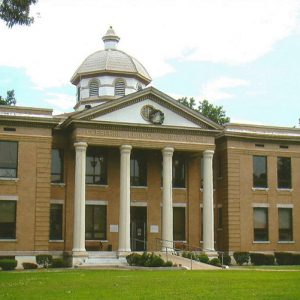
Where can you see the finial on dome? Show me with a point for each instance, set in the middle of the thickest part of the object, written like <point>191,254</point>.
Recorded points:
<point>110,39</point>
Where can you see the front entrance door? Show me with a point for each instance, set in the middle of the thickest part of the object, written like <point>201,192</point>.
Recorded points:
<point>138,228</point>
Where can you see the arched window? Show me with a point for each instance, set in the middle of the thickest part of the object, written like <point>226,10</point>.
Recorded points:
<point>94,88</point>
<point>120,87</point>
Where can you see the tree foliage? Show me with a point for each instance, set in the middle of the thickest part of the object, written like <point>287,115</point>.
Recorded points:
<point>10,98</point>
<point>16,12</point>
<point>214,112</point>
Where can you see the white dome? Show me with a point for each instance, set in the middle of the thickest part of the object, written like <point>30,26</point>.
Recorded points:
<point>111,61</point>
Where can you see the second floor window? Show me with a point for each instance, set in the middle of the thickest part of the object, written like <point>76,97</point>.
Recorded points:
<point>57,166</point>
<point>96,166</point>
<point>8,159</point>
<point>178,171</point>
<point>260,178</point>
<point>138,169</point>
<point>284,173</point>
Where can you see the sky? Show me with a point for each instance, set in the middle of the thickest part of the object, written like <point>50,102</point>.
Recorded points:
<point>241,54</point>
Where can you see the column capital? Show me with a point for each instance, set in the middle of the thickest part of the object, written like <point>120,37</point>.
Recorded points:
<point>167,151</point>
<point>80,145</point>
<point>208,153</point>
<point>125,148</point>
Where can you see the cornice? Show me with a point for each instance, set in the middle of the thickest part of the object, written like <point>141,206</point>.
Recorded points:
<point>29,121</point>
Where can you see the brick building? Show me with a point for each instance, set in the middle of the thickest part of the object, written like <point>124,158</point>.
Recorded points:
<point>132,169</point>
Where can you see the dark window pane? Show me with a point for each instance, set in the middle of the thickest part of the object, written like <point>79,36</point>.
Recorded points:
<point>260,222</point>
<point>8,159</point>
<point>179,223</point>
<point>138,169</point>
<point>220,217</point>
<point>260,178</point>
<point>57,165</point>
<point>7,219</point>
<point>95,222</point>
<point>56,221</point>
<point>178,171</point>
<point>285,216</point>
<point>284,172</point>
<point>96,166</point>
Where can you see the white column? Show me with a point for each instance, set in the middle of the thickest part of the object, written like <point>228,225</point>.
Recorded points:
<point>167,209</point>
<point>79,202</point>
<point>124,217</point>
<point>208,202</point>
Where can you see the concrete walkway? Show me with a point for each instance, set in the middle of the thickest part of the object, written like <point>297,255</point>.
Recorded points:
<point>185,262</point>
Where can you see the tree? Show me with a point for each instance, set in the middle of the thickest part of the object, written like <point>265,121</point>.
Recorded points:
<point>14,12</point>
<point>10,98</point>
<point>214,112</point>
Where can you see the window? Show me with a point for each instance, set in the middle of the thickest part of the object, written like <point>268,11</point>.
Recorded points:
<point>139,87</point>
<point>120,87</point>
<point>179,223</point>
<point>94,88</point>
<point>201,172</point>
<point>178,171</point>
<point>57,166</point>
<point>56,221</point>
<point>260,177</point>
<point>7,219</point>
<point>96,166</point>
<point>95,222</point>
<point>78,94</point>
<point>138,169</point>
<point>260,222</point>
<point>284,171</point>
<point>285,218</point>
<point>8,159</point>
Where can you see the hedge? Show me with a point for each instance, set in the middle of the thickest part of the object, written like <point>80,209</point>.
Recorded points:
<point>29,266</point>
<point>287,258</point>
<point>147,260</point>
<point>241,257</point>
<point>8,264</point>
<point>44,260</point>
<point>260,259</point>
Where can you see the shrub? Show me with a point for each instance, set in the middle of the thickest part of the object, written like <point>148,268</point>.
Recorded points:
<point>8,264</point>
<point>226,259</point>
<point>29,266</point>
<point>44,260</point>
<point>133,259</point>
<point>215,262</point>
<point>296,259</point>
<point>203,258</point>
<point>168,263</point>
<point>189,255</point>
<point>241,257</point>
<point>154,261</point>
<point>284,258</point>
<point>259,259</point>
<point>58,263</point>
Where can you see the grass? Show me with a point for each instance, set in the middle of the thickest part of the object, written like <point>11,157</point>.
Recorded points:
<point>124,284</point>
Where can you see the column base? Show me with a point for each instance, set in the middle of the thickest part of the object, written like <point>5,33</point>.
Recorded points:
<point>124,253</point>
<point>211,253</point>
<point>79,257</point>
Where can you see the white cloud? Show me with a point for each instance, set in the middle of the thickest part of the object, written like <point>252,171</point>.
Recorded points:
<point>214,90</point>
<point>228,31</point>
<point>60,102</point>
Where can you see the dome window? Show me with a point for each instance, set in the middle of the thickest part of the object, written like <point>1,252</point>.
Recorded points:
<point>94,88</point>
<point>120,87</point>
<point>139,87</point>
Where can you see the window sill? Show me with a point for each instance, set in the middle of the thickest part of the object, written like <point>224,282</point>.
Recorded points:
<point>8,240</point>
<point>220,228</point>
<point>257,189</point>
<point>9,179</point>
<point>286,242</point>
<point>58,184</point>
<point>285,190</point>
<point>138,187</point>
<point>97,185</point>
<point>261,242</point>
<point>96,241</point>
<point>56,241</point>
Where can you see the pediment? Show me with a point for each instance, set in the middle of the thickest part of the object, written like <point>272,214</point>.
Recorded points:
<point>147,107</point>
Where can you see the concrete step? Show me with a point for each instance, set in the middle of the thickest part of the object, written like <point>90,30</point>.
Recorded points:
<point>102,254</point>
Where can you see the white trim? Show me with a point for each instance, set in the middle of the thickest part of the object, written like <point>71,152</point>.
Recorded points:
<point>15,179</point>
<point>182,204</point>
<point>139,187</point>
<point>8,240</point>
<point>57,201</point>
<point>97,185</point>
<point>261,242</point>
<point>102,241</point>
<point>286,242</point>
<point>60,184</point>
<point>201,205</point>
<point>138,203</point>
<point>10,197</point>
<point>220,205</point>
<point>256,189</point>
<point>260,205</point>
<point>56,241</point>
<point>285,190</point>
<point>285,205</point>
<point>96,202</point>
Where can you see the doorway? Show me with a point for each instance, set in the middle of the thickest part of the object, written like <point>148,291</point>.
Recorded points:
<point>138,228</point>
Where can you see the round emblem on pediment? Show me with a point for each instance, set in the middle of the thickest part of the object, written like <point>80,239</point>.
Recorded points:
<point>153,115</point>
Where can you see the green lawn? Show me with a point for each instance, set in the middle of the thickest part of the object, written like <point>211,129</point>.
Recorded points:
<point>121,284</point>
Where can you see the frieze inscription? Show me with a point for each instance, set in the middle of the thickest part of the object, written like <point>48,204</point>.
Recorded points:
<point>143,135</point>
